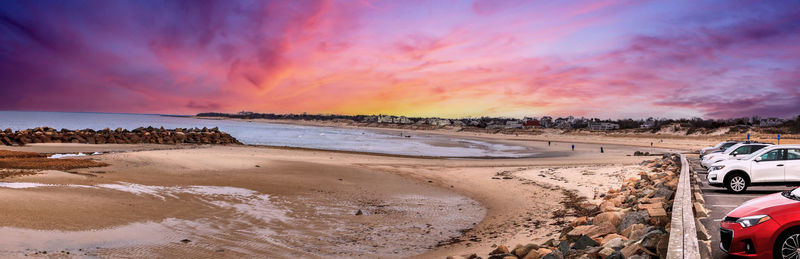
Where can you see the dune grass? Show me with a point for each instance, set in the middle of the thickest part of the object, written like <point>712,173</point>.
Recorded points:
<point>36,161</point>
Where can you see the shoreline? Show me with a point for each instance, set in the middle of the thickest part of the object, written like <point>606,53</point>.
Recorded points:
<point>682,143</point>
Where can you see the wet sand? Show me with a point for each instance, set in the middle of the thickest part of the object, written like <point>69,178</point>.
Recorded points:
<point>234,201</point>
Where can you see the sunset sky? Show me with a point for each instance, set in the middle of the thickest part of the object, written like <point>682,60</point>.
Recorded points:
<point>608,59</point>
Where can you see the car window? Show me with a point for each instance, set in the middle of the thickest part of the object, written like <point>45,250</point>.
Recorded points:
<point>742,150</point>
<point>726,146</point>
<point>793,154</point>
<point>756,148</point>
<point>773,155</point>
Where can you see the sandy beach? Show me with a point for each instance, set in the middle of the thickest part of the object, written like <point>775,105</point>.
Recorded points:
<point>234,201</point>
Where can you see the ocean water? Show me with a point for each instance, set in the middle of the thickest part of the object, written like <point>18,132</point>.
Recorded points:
<point>283,135</point>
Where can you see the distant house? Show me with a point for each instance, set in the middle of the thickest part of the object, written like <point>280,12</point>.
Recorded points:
<point>439,122</point>
<point>563,123</point>
<point>603,126</point>
<point>394,119</point>
<point>647,125</point>
<point>403,120</point>
<point>513,124</point>
<point>547,121</point>
<point>385,119</point>
<point>528,124</point>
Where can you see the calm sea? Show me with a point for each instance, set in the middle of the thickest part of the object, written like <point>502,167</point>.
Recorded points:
<point>260,133</point>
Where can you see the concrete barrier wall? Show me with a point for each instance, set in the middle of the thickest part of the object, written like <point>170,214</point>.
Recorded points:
<point>683,229</point>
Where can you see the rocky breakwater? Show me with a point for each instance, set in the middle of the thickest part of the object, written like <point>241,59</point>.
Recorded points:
<point>140,135</point>
<point>630,222</point>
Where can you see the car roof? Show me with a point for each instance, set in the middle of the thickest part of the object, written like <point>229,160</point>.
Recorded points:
<point>784,146</point>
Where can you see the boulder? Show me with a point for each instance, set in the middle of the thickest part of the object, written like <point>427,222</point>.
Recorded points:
<point>591,231</point>
<point>533,255</point>
<point>605,252</point>
<point>608,205</point>
<point>610,237</point>
<point>554,255</point>
<point>631,218</point>
<point>656,212</point>
<point>634,249</point>
<point>611,218</point>
<point>633,232</point>
<point>551,242</point>
<point>651,239</point>
<point>616,255</point>
<point>664,192</point>
<point>563,248</point>
<point>583,242</point>
<point>645,206</point>
<point>501,249</point>
<point>544,251</point>
<point>616,243</point>
<point>579,221</point>
<point>663,247</point>
<point>521,251</point>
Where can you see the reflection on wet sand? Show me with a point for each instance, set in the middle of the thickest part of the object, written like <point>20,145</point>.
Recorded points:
<point>247,222</point>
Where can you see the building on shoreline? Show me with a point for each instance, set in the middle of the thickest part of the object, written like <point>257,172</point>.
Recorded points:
<point>603,126</point>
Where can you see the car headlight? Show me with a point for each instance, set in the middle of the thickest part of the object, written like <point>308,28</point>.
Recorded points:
<point>752,220</point>
<point>718,167</point>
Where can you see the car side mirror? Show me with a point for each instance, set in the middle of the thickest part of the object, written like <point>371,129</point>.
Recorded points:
<point>735,153</point>
<point>758,159</point>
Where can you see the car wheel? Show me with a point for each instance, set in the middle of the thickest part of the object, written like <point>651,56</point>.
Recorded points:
<point>787,246</point>
<point>736,183</point>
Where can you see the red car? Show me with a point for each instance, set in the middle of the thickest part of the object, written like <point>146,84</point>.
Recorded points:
<point>764,227</point>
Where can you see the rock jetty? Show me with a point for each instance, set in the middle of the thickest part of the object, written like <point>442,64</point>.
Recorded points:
<point>139,135</point>
<point>630,222</point>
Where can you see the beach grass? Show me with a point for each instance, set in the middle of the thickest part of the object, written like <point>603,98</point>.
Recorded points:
<point>37,161</point>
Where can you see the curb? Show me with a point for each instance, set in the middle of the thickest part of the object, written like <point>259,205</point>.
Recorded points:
<point>683,241</point>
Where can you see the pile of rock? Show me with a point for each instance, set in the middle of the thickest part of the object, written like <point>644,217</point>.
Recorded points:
<point>119,136</point>
<point>630,222</point>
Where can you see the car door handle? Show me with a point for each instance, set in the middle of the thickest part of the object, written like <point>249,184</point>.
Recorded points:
<point>780,164</point>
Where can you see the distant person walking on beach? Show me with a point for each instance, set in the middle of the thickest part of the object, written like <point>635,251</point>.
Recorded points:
<point>601,149</point>
<point>573,147</point>
<point>548,143</point>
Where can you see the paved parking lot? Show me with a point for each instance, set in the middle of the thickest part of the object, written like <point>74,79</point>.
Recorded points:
<point>720,202</point>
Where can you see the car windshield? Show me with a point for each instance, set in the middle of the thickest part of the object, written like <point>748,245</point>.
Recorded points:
<point>793,194</point>
<point>731,149</point>
<point>727,145</point>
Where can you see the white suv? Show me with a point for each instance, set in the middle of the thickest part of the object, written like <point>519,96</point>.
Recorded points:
<point>736,151</point>
<point>773,165</point>
<point>717,147</point>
